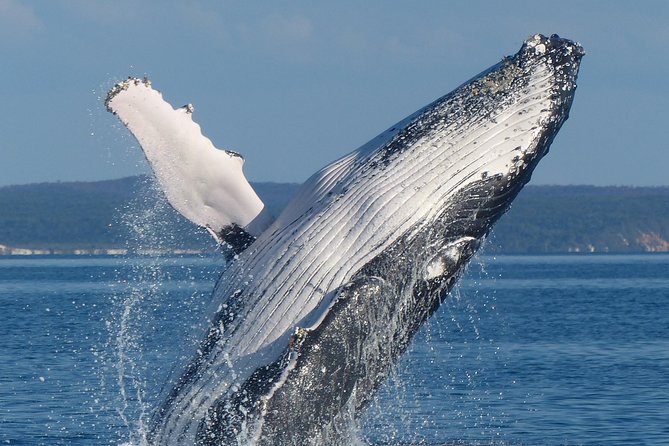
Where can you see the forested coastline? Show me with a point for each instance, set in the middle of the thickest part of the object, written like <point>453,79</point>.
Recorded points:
<point>129,214</point>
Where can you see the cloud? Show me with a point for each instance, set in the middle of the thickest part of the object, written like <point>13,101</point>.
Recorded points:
<point>103,11</point>
<point>205,18</point>
<point>296,28</point>
<point>18,18</point>
<point>289,35</point>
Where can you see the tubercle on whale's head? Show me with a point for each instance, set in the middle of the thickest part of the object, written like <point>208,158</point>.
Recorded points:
<point>557,48</point>
<point>549,63</point>
<point>562,54</point>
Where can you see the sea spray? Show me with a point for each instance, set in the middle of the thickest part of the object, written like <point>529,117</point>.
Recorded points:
<point>141,281</point>
<point>146,341</point>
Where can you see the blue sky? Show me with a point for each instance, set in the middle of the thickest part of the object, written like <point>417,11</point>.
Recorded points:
<point>294,85</point>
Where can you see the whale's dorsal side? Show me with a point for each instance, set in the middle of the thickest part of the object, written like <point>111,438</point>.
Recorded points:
<point>205,184</point>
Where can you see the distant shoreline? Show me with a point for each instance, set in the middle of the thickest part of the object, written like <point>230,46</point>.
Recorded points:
<point>129,216</point>
<point>24,252</point>
<point>6,251</point>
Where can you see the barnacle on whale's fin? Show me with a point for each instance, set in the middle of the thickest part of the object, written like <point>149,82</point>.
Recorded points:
<point>205,184</point>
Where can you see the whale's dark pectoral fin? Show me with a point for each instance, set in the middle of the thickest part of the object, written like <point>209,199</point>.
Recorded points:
<point>206,185</point>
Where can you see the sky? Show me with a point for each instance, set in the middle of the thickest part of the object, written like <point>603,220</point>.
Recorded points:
<point>295,85</point>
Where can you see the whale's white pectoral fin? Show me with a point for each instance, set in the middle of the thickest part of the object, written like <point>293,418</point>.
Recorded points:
<point>205,184</point>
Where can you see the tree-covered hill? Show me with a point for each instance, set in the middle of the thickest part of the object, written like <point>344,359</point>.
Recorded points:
<point>130,213</point>
<point>552,219</point>
<point>59,215</point>
<point>105,214</point>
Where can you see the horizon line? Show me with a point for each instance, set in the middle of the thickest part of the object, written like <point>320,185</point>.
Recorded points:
<point>255,181</point>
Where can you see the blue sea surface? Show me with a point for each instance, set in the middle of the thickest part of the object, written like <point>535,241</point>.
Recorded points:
<point>546,350</point>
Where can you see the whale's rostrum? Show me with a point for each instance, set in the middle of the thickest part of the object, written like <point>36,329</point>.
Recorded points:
<point>319,303</point>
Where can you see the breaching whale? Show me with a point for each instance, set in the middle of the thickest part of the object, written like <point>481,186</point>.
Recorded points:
<point>318,304</point>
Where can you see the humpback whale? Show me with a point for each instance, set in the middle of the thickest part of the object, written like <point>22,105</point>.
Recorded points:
<point>319,303</point>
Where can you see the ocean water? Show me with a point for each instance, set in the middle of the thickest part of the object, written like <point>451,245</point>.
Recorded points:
<point>549,350</point>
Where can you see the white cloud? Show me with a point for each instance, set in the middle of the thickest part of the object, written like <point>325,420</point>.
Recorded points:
<point>192,17</point>
<point>104,11</point>
<point>399,47</point>
<point>296,28</point>
<point>289,35</point>
<point>16,17</point>
<point>205,18</point>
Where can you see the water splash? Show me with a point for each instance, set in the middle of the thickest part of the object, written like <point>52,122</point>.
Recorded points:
<point>152,285</point>
<point>142,219</point>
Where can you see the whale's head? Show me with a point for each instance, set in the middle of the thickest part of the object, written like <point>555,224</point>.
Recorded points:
<point>484,140</point>
<point>499,123</point>
<point>533,90</point>
<point>460,160</point>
